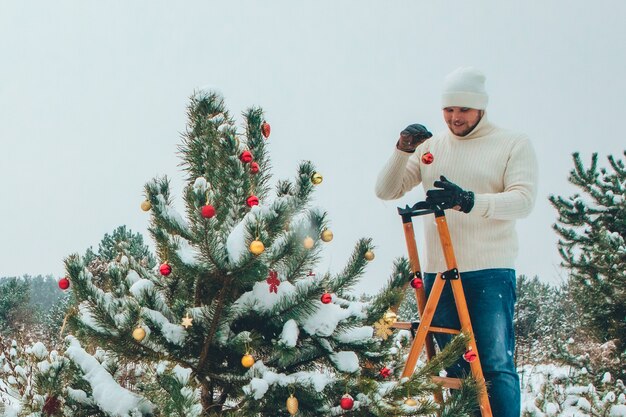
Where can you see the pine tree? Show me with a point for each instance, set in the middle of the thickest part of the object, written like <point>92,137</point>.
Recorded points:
<point>234,323</point>
<point>35,382</point>
<point>563,391</point>
<point>121,240</point>
<point>592,229</point>
<point>533,300</point>
<point>14,299</point>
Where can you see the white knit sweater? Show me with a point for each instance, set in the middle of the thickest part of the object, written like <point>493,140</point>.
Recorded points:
<point>499,166</point>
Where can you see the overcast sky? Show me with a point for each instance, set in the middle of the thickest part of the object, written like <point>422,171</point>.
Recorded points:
<point>93,97</point>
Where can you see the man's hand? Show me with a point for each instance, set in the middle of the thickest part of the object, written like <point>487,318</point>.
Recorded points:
<point>412,136</point>
<point>450,196</point>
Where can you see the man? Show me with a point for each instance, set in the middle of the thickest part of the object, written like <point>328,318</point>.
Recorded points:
<point>488,177</point>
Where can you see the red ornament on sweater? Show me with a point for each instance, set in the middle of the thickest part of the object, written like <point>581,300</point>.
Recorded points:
<point>428,158</point>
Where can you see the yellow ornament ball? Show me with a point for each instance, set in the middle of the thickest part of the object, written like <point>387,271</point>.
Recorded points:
<point>139,334</point>
<point>292,405</point>
<point>308,242</point>
<point>327,235</point>
<point>317,178</point>
<point>257,247</point>
<point>146,206</point>
<point>410,402</point>
<point>247,360</point>
<point>369,255</point>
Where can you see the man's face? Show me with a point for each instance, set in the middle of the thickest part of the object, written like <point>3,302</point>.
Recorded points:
<point>461,120</point>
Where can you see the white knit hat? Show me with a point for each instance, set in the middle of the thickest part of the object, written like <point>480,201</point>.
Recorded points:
<point>465,87</point>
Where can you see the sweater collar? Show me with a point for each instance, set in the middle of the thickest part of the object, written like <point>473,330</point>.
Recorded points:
<point>483,128</point>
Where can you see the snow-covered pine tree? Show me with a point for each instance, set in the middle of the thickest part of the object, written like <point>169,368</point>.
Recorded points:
<point>592,229</point>
<point>14,299</point>
<point>120,241</point>
<point>545,317</point>
<point>534,299</point>
<point>72,383</point>
<point>233,323</point>
<point>569,392</point>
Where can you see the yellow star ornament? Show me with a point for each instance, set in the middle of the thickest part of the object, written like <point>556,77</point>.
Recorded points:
<point>383,329</point>
<point>187,321</point>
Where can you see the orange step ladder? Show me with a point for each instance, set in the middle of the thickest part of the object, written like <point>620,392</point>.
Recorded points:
<point>426,307</point>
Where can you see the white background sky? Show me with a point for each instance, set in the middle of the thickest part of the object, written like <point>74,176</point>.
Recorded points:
<point>93,97</point>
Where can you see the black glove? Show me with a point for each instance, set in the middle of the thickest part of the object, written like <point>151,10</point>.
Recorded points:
<point>450,195</point>
<point>418,132</point>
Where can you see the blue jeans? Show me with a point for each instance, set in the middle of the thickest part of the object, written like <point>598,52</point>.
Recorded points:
<point>490,295</point>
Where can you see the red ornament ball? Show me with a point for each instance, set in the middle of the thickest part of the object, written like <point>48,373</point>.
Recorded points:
<point>254,168</point>
<point>165,269</point>
<point>470,355</point>
<point>346,402</point>
<point>246,156</point>
<point>265,129</point>
<point>252,201</point>
<point>417,283</point>
<point>385,372</point>
<point>428,158</point>
<point>207,211</point>
<point>326,298</point>
<point>64,283</point>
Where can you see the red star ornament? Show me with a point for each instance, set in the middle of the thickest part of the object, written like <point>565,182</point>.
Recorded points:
<point>273,281</point>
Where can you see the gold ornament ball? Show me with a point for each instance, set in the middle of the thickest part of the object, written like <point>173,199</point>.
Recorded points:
<point>369,255</point>
<point>146,206</point>
<point>247,360</point>
<point>410,402</point>
<point>317,178</point>
<point>257,247</point>
<point>308,242</point>
<point>292,405</point>
<point>327,235</point>
<point>139,334</point>
<point>390,317</point>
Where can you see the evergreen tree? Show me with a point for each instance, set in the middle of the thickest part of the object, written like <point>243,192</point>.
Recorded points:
<point>545,317</point>
<point>120,241</point>
<point>567,392</point>
<point>533,301</point>
<point>232,323</point>
<point>592,229</point>
<point>44,292</point>
<point>38,383</point>
<point>14,299</point>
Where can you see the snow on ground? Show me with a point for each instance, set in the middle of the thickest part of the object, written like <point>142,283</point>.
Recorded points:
<point>549,390</point>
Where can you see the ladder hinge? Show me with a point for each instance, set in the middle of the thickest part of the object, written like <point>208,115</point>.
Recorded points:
<point>450,274</point>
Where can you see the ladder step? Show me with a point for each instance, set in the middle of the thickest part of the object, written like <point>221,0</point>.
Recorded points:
<point>434,329</point>
<point>453,383</point>
<point>407,325</point>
